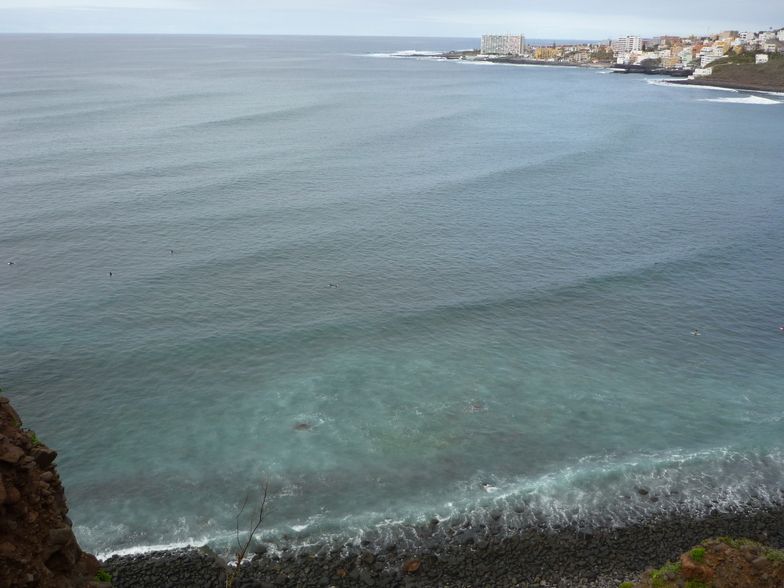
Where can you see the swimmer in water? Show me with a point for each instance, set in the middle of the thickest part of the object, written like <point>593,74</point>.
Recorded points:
<point>333,285</point>
<point>11,263</point>
<point>110,274</point>
<point>695,332</point>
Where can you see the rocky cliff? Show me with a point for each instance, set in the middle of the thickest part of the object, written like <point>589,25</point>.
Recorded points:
<point>719,563</point>
<point>37,545</point>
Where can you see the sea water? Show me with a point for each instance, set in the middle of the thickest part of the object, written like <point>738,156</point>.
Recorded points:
<point>520,257</point>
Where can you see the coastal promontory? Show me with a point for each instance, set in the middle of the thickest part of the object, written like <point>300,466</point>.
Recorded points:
<point>742,72</point>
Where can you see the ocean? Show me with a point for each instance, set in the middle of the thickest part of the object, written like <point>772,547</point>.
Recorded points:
<point>395,288</point>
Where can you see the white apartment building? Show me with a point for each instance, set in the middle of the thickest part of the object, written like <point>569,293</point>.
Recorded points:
<point>503,44</point>
<point>707,59</point>
<point>628,44</point>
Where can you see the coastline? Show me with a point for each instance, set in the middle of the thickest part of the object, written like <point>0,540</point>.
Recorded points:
<point>521,61</point>
<point>680,77</point>
<point>464,556</point>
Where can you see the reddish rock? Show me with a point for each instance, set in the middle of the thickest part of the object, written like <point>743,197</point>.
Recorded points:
<point>412,565</point>
<point>37,546</point>
<point>724,566</point>
<point>43,456</point>
<point>12,495</point>
<point>10,413</point>
<point>695,571</point>
<point>10,453</point>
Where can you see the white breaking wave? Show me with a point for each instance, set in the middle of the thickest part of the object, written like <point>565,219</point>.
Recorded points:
<point>141,549</point>
<point>718,89</point>
<point>408,53</point>
<point>743,100</point>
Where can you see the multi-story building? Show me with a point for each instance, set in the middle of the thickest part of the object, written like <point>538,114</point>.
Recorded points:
<point>628,44</point>
<point>707,59</point>
<point>773,46</point>
<point>686,56</point>
<point>547,53</point>
<point>503,44</point>
<point>663,41</point>
<point>671,61</point>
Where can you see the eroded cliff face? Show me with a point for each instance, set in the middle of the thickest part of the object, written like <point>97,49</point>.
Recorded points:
<point>37,545</point>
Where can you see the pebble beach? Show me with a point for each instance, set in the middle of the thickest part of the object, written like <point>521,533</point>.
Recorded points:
<point>462,556</point>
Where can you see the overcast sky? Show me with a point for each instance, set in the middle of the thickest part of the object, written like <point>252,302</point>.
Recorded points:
<point>566,19</point>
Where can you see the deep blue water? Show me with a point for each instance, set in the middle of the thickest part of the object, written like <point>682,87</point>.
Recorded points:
<point>522,256</point>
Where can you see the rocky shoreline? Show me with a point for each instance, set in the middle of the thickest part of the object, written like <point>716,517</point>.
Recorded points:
<point>461,556</point>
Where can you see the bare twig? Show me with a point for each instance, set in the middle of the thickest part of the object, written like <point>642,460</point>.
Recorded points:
<point>255,520</point>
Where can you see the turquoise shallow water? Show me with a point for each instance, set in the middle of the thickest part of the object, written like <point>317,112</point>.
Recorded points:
<point>522,255</point>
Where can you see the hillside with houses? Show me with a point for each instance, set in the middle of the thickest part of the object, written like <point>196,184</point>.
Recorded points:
<point>744,60</point>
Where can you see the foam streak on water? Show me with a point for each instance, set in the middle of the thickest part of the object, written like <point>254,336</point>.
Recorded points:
<point>521,255</point>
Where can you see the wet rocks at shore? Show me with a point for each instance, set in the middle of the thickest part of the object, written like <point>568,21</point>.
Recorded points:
<point>469,557</point>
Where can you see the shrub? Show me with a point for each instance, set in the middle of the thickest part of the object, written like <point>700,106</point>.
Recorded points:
<point>774,555</point>
<point>102,576</point>
<point>659,577</point>
<point>698,554</point>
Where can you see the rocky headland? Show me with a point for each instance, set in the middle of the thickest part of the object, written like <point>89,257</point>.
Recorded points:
<point>741,73</point>
<point>37,546</point>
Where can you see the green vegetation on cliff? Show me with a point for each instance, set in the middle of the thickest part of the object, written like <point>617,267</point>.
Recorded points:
<point>721,562</point>
<point>742,71</point>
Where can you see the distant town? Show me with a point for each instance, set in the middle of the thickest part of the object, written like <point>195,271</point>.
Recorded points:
<point>686,57</point>
<point>666,51</point>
